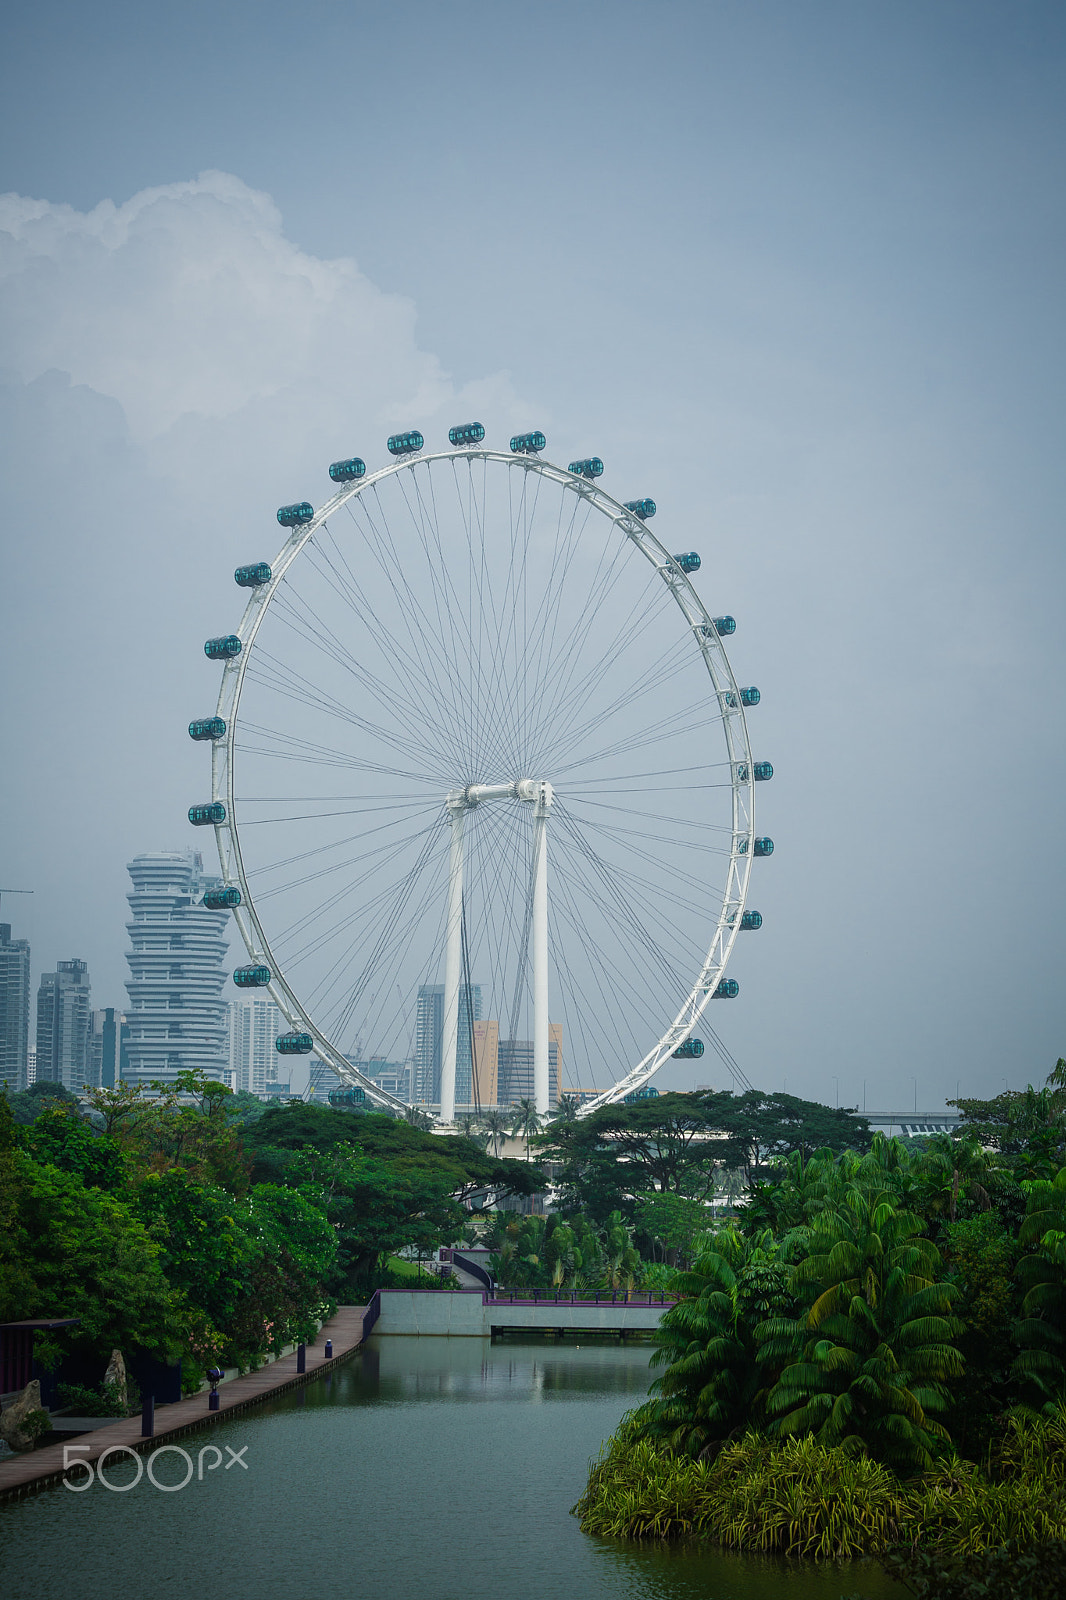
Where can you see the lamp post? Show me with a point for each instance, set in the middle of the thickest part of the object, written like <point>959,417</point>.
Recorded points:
<point>836,1080</point>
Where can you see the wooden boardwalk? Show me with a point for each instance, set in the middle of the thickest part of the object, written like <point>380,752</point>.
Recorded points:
<point>24,1474</point>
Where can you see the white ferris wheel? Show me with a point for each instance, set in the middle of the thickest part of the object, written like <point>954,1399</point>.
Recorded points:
<point>478,747</point>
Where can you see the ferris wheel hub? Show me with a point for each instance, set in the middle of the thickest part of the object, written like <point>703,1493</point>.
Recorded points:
<point>532,790</point>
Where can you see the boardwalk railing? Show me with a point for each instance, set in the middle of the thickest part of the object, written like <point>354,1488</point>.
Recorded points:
<point>371,1314</point>
<point>547,1297</point>
<point>475,1269</point>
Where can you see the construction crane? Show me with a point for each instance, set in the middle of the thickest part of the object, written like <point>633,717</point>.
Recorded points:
<point>13,891</point>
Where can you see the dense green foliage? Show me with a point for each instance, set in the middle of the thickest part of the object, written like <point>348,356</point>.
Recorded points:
<point>575,1255</point>
<point>874,1328</point>
<point>800,1498</point>
<point>190,1225</point>
<point>683,1144</point>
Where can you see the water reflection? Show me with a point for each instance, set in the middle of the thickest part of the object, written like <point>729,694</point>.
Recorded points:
<point>426,1469</point>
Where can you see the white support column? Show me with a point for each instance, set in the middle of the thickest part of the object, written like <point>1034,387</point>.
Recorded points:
<point>541,1063</point>
<point>453,958</point>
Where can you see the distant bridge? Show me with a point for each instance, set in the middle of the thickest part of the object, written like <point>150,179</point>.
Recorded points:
<point>909,1122</point>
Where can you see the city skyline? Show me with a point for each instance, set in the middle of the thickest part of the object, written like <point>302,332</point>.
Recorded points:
<point>830,350</point>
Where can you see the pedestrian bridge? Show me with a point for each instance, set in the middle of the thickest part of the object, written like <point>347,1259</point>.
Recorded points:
<point>481,1313</point>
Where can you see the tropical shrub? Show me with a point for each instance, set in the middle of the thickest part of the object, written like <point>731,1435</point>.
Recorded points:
<point>1041,1332</point>
<point>712,1383</point>
<point>799,1498</point>
<point>877,1337</point>
<point>793,1499</point>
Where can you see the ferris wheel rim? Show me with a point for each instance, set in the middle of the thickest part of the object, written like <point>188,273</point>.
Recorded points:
<point>733,721</point>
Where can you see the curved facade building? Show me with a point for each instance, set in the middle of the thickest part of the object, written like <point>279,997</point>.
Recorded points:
<point>177,1016</point>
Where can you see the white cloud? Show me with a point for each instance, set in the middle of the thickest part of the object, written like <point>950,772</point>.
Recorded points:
<point>188,302</point>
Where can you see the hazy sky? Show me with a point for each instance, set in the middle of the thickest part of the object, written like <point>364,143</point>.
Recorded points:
<point>796,267</point>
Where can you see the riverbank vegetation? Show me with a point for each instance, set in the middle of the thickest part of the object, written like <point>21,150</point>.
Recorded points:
<point>871,1353</point>
<point>188,1225</point>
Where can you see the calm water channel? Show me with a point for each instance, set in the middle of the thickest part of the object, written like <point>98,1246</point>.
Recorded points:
<point>435,1469</point>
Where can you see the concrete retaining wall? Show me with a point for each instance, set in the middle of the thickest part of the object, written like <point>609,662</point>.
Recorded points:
<point>472,1314</point>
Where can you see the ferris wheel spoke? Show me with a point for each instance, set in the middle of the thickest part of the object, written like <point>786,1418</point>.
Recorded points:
<point>600,879</point>
<point>630,889</point>
<point>331,870</point>
<point>390,936</point>
<point>325,933</point>
<point>565,683</point>
<point>657,732</point>
<point>559,678</point>
<point>698,890</point>
<point>613,976</point>
<point>282,681</point>
<point>413,718</point>
<point>424,521</point>
<point>286,747</point>
<point>479,582</point>
<point>650,682</point>
<point>412,620</point>
<point>413,673</point>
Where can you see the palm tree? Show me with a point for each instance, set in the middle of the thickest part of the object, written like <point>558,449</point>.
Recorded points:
<point>877,1336</point>
<point>525,1121</point>
<point>470,1127</point>
<point>1042,1362</point>
<point>418,1117</point>
<point>708,1345</point>
<point>494,1127</point>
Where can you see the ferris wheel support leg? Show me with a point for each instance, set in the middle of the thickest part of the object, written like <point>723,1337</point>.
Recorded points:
<point>453,954</point>
<point>541,1071</point>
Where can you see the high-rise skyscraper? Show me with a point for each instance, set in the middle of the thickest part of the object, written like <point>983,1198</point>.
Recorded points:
<point>63,1015</point>
<point>177,1014</point>
<point>108,1059</point>
<point>429,1039</point>
<point>14,1010</point>
<point>515,1068</point>
<point>257,1066</point>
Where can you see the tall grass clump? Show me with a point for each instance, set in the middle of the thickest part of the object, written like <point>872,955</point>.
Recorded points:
<point>797,1497</point>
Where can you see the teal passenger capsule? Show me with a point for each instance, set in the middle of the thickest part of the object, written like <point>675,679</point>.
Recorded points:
<point>748,697</point>
<point>688,561</point>
<point>591,467</point>
<point>294,1044</point>
<point>251,577</point>
<point>347,471</point>
<point>690,1050</point>
<point>208,816</point>
<point>750,921</point>
<point>761,771</point>
<point>763,847</point>
<point>527,444</point>
<point>222,899</point>
<point>222,649</point>
<point>641,508</point>
<point>719,626</point>
<point>647,1093</point>
<point>405,444</point>
<point>295,516</point>
<point>251,977</point>
<point>466,433</point>
<point>728,989</point>
<point>207,728</point>
<point>346,1097</point>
